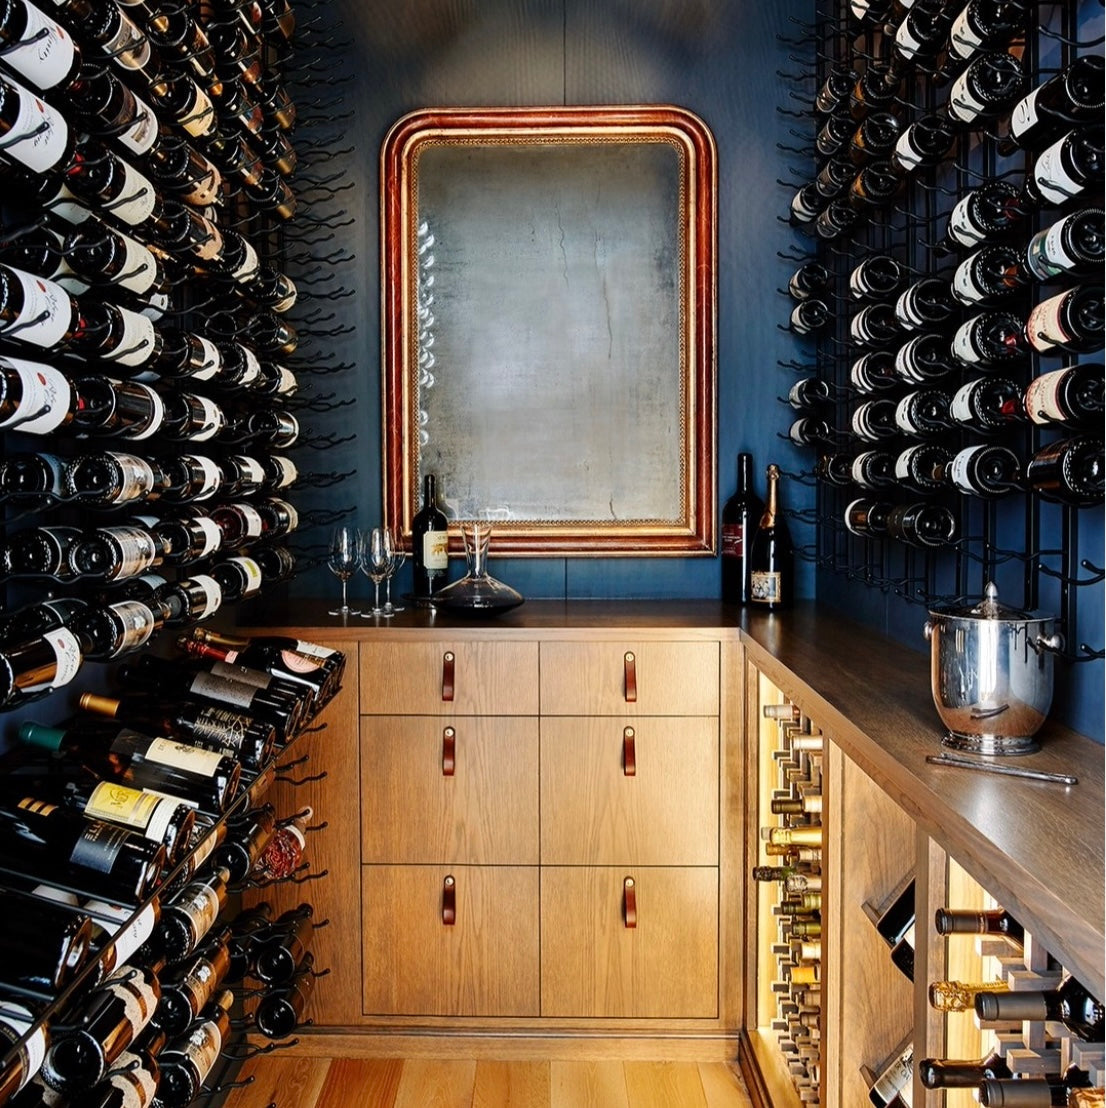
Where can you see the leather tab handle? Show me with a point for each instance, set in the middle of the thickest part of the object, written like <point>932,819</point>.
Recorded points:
<point>448,659</point>
<point>629,754</point>
<point>449,900</point>
<point>630,663</point>
<point>449,751</point>
<point>629,902</point>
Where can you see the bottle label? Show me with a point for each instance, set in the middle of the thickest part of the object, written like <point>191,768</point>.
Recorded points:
<point>98,847</point>
<point>39,135</point>
<point>962,228</point>
<point>1055,184</point>
<point>217,725</point>
<point>286,469</point>
<point>906,41</point>
<point>252,572</point>
<point>15,1022</point>
<point>120,804</point>
<point>960,407</point>
<point>1024,114</point>
<point>67,656</point>
<point>229,671</point>
<point>211,363</point>
<point>219,688</point>
<point>1055,255</point>
<point>314,650</point>
<point>137,551</point>
<point>44,54</point>
<point>252,367</point>
<point>200,119</point>
<point>765,588</point>
<point>964,287</point>
<point>139,268</point>
<point>136,478</point>
<point>132,1081</point>
<point>903,462</point>
<point>46,312</point>
<point>286,381</point>
<point>45,400</point>
<point>128,937</point>
<point>169,752</point>
<point>143,131</point>
<point>210,477</point>
<point>963,348</point>
<point>210,535</point>
<point>136,200</point>
<point>963,104</point>
<point>905,152</point>
<point>904,416</point>
<point>129,45</point>
<point>137,341</point>
<point>964,40</point>
<point>209,423</point>
<point>435,550</point>
<point>198,983</point>
<point>959,470</point>
<point>136,623</point>
<point>1042,398</point>
<point>203,1047</point>
<point>1045,328</point>
<point>212,596</point>
<point>733,540</point>
<point>200,903</point>
<point>247,270</point>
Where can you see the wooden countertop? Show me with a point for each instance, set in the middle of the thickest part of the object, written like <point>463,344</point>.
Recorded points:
<point>1038,847</point>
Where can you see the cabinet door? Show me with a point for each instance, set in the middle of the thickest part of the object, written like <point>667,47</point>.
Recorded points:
<point>449,678</point>
<point>484,963</point>
<point>595,964</point>
<point>637,792</point>
<point>629,678</point>
<point>456,788</point>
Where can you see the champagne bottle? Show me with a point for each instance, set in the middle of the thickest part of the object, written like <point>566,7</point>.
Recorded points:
<point>738,520</point>
<point>771,558</point>
<point>1069,471</point>
<point>429,541</point>
<point>56,846</point>
<point>44,945</point>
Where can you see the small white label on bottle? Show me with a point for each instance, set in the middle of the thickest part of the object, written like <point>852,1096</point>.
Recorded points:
<point>435,550</point>
<point>963,105</point>
<point>252,368</point>
<point>907,156</point>
<point>128,44</point>
<point>39,135</point>
<point>963,40</point>
<point>288,471</point>
<point>46,313</point>
<point>136,199</point>
<point>1044,328</point>
<point>140,136</point>
<point>213,596</point>
<point>250,264</point>
<point>67,654</point>
<point>314,650</point>
<point>45,401</point>
<point>136,551</point>
<point>15,1022</point>
<point>958,469</point>
<point>252,572</point>
<point>1055,256</point>
<point>1024,114</point>
<point>765,588</point>
<point>139,266</point>
<point>962,346</point>
<point>168,752</point>
<point>961,227</point>
<point>44,54</point>
<point>902,416</point>
<point>157,416</point>
<point>137,341</point>
<point>210,420</point>
<point>211,477</point>
<point>902,462</point>
<point>906,42</point>
<point>960,407</point>
<point>1055,184</point>
<point>136,624</point>
<point>212,536</point>
<point>212,363</point>
<point>201,119</point>
<point>1042,403</point>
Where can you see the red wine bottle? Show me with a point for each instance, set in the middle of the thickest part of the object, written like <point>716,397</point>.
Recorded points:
<point>1070,1004</point>
<point>429,541</point>
<point>740,515</point>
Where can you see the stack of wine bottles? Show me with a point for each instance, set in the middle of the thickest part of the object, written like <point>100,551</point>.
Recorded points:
<point>123,833</point>
<point>791,850</point>
<point>144,392</point>
<point>1049,1049</point>
<point>950,302</point>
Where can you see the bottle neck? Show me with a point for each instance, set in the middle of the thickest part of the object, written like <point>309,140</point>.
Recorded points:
<point>771,503</point>
<point>429,491</point>
<point>744,474</point>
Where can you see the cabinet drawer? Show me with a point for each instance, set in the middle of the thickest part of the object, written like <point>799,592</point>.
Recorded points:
<point>618,792</point>
<point>449,678</point>
<point>483,964</point>
<point>449,788</point>
<point>629,678</point>
<point>593,964</point>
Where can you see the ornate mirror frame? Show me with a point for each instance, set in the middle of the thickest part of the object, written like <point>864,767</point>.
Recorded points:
<point>548,316</point>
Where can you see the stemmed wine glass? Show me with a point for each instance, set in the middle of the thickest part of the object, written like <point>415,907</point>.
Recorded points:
<point>396,557</point>
<point>342,560</point>
<point>374,560</point>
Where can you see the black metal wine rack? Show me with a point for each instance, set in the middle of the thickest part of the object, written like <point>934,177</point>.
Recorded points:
<point>1041,554</point>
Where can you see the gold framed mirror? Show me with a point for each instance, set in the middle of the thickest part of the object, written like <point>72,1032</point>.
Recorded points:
<point>548,317</point>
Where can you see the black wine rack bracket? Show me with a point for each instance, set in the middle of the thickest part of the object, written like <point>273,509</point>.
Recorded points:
<point>1043,555</point>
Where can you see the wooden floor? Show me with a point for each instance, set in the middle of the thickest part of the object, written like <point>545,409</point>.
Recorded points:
<point>425,1083</point>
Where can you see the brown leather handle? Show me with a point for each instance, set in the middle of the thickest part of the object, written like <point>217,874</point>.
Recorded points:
<point>449,751</point>
<point>629,754</point>
<point>629,902</point>
<point>448,659</point>
<point>630,663</point>
<point>449,900</point>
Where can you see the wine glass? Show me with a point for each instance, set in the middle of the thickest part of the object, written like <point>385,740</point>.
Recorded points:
<point>342,561</point>
<point>396,557</point>
<point>374,561</point>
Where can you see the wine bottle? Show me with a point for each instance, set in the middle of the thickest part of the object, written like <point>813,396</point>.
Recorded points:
<point>771,557</point>
<point>1071,166</point>
<point>982,24</point>
<point>1070,1004</point>
<point>835,90</point>
<point>1072,246</point>
<point>261,650</point>
<point>891,1086</point>
<point>1072,96</point>
<point>207,779</point>
<point>985,470</point>
<point>37,47</point>
<point>309,678</point>
<point>922,524</point>
<point>189,538</point>
<point>992,82</point>
<point>809,316</point>
<point>874,138</point>
<point>839,217</point>
<point>44,945</point>
<point>922,466</point>
<point>280,1011</point>
<point>189,599</point>
<point>834,134</point>
<point>924,143</point>
<point>278,955</point>
<point>834,177</point>
<point>876,278</point>
<point>1030,1092</point>
<point>928,303</point>
<point>834,469</point>
<point>873,420</point>
<point>959,996</point>
<point>924,358</point>
<point>875,186</point>
<point>34,476</point>
<point>873,469</point>
<point>118,933</point>
<point>988,405</point>
<point>985,213</point>
<point>35,134</point>
<point>19,1064</point>
<point>429,541</point>
<point>35,398</point>
<point>992,338</point>
<point>284,853</point>
<point>186,990</point>
<point>109,630</point>
<point>132,410</point>
<point>56,846</point>
<point>875,88</point>
<point>874,372</point>
<point>949,921</point>
<point>875,325</point>
<point>867,518</point>
<point>238,578</point>
<point>1070,471</point>
<point>115,553</point>
<point>991,274</point>
<point>920,35</point>
<point>805,206</point>
<point>809,280</point>
<point>187,1061</point>
<point>249,740</point>
<point>110,1020</point>
<point>1072,396</point>
<point>37,664</point>
<point>739,516</point>
<point>108,478</point>
<point>245,842</point>
<point>35,310</point>
<point>188,918</point>
<point>1072,321</point>
<point>943,1073</point>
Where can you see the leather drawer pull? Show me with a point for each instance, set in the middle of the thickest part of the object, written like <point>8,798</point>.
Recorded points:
<point>449,901</point>
<point>447,675</point>
<point>629,902</point>
<point>629,755</point>
<point>631,677</point>
<point>449,751</point>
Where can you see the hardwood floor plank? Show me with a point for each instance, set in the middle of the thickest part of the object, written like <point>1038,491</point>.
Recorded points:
<point>511,1085</point>
<point>295,1081</point>
<point>367,1081</point>
<point>587,1085</point>
<point>723,1086</point>
<point>430,1083</point>
<point>661,1084</point>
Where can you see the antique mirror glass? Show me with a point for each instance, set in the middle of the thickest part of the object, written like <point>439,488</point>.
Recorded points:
<point>549,291</point>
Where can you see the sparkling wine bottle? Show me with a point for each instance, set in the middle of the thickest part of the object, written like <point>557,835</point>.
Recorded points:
<point>771,556</point>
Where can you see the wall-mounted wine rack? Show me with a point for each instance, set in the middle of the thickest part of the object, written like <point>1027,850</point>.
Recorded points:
<point>1042,553</point>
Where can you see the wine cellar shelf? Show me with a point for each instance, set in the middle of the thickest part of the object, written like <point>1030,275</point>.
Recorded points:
<point>892,825</point>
